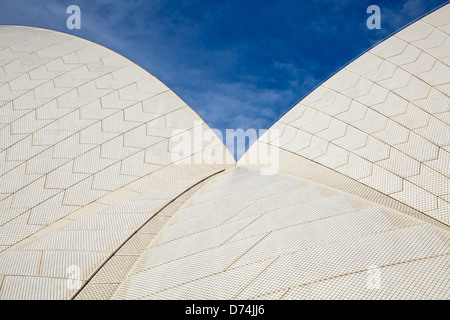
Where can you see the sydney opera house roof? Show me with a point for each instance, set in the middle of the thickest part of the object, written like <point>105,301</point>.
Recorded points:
<point>97,202</point>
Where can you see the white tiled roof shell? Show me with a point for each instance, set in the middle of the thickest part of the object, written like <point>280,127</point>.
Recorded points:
<point>383,120</point>
<point>243,235</point>
<point>85,156</point>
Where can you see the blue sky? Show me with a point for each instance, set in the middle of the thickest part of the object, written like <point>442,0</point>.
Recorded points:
<point>239,64</point>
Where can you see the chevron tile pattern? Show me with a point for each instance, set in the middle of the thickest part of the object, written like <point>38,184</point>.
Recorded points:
<point>247,236</point>
<point>82,129</point>
<point>77,122</point>
<point>384,119</point>
<point>86,239</point>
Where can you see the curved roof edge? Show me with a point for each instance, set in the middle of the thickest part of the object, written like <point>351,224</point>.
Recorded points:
<point>382,121</point>
<point>91,147</point>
